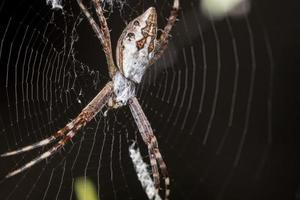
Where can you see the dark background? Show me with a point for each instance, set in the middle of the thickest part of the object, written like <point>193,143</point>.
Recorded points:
<point>268,166</point>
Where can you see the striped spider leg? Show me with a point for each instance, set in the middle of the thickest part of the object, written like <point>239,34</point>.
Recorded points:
<point>152,144</point>
<point>101,32</point>
<point>162,42</point>
<point>67,133</point>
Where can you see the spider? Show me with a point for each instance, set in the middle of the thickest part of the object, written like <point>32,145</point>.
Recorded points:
<point>138,47</point>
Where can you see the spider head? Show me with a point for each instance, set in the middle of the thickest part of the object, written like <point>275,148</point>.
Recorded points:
<point>136,45</point>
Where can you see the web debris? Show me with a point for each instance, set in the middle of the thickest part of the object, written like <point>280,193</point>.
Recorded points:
<point>55,4</point>
<point>143,173</point>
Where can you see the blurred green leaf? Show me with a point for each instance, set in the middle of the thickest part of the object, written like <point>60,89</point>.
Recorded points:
<point>85,189</point>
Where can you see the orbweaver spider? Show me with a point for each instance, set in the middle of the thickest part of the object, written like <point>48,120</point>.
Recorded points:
<point>137,49</point>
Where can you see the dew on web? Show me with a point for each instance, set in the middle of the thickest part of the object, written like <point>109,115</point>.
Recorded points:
<point>208,99</point>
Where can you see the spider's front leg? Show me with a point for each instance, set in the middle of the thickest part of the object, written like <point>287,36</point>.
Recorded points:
<point>68,132</point>
<point>151,142</point>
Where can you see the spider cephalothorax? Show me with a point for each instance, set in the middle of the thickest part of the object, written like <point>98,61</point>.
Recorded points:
<point>137,49</point>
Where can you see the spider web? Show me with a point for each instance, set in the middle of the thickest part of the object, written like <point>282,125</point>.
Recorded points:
<point>209,101</point>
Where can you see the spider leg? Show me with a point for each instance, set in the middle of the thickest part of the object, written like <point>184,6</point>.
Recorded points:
<point>154,168</point>
<point>92,22</point>
<point>163,169</point>
<point>86,115</point>
<point>45,155</point>
<point>150,139</point>
<point>41,143</point>
<point>162,165</point>
<point>145,128</point>
<point>105,30</point>
<point>162,42</point>
<point>102,33</point>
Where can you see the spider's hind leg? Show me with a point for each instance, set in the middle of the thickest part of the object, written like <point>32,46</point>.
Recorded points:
<point>101,31</point>
<point>162,42</point>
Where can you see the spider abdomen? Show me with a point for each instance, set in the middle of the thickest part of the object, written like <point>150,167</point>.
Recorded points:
<point>135,63</point>
<point>136,45</point>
